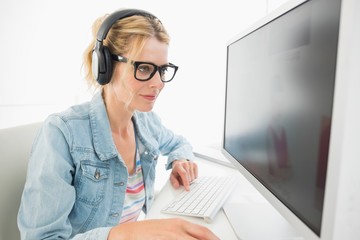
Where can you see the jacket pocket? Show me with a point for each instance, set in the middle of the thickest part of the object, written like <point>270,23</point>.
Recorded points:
<point>91,183</point>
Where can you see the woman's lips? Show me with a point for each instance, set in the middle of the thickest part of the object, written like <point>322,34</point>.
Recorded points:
<point>149,97</point>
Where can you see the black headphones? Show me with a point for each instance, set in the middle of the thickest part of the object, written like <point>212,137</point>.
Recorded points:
<point>101,56</point>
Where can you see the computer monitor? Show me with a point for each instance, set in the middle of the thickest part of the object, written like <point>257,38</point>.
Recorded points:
<point>280,119</point>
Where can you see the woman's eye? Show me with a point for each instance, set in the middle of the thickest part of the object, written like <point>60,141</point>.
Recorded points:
<point>164,70</point>
<point>145,68</point>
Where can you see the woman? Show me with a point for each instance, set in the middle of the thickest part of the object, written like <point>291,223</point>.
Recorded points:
<point>92,167</point>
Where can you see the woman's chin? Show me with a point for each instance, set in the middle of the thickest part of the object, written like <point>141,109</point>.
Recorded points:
<point>147,108</point>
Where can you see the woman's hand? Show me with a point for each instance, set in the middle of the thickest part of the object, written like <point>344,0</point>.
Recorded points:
<point>183,173</point>
<point>161,229</point>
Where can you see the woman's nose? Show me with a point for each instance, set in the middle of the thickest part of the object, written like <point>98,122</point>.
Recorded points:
<point>156,80</point>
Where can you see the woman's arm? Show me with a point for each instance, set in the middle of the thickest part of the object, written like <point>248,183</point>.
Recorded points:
<point>179,152</point>
<point>174,146</point>
<point>169,229</point>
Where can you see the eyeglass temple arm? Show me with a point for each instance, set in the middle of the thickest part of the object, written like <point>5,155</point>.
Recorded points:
<point>118,58</point>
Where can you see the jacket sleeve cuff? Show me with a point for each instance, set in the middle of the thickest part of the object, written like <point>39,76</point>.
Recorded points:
<point>172,158</point>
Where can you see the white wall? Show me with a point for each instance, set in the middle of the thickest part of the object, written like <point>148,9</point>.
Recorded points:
<point>42,43</point>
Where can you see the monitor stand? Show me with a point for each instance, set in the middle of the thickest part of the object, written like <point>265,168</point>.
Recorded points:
<point>258,221</point>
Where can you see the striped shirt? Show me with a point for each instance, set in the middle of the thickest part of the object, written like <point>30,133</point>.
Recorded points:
<point>135,194</point>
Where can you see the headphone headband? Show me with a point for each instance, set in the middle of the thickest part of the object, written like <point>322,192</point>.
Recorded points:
<point>101,57</point>
<point>112,18</point>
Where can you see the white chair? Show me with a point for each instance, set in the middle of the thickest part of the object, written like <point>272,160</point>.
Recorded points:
<point>15,146</point>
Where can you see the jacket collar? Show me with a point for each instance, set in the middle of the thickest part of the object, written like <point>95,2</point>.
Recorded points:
<point>100,128</point>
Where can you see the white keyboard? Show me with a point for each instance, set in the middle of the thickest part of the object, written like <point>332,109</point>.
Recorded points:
<point>206,197</point>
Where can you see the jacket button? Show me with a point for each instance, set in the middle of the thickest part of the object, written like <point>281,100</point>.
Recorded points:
<point>97,174</point>
<point>115,214</point>
<point>146,153</point>
<point>119,184</point>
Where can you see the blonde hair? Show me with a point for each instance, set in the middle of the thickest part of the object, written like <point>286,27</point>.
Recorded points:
<point>126,36</point>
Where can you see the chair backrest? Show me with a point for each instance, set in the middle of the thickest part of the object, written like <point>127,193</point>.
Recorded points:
<point>15,147</point>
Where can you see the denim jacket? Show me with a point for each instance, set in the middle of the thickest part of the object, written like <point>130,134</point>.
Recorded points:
<point>76,179</point>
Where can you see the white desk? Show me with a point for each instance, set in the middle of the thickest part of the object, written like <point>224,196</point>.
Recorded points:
<point>244,193</point>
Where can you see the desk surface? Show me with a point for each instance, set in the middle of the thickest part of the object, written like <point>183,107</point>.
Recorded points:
<point>220,226</point>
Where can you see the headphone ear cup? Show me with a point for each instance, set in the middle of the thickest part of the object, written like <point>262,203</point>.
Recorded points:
<point>104,77</point>
<point>95,63</point>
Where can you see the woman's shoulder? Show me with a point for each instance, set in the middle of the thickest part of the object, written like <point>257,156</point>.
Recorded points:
<point>74,115</point>
<point>75,112</point>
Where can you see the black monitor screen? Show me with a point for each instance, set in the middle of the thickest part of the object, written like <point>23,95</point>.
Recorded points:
<point>279,99</point>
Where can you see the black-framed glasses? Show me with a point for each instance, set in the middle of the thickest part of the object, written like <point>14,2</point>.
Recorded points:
<point>144,71</point>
